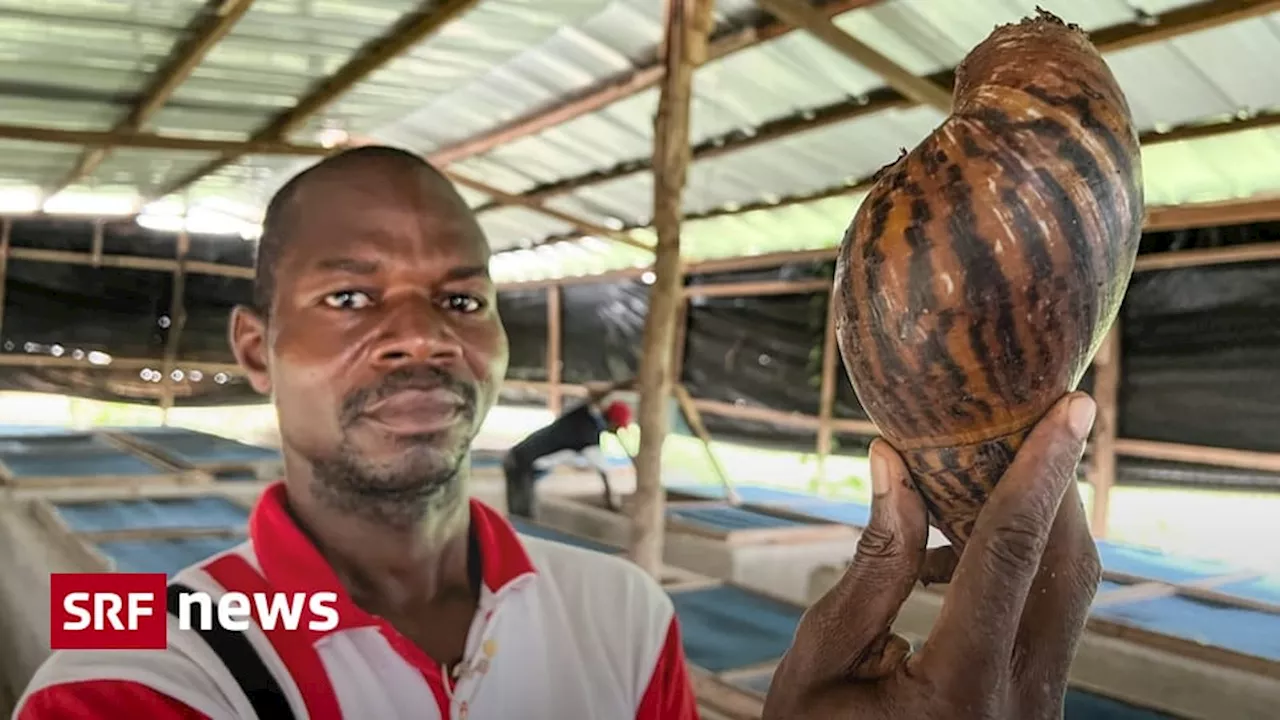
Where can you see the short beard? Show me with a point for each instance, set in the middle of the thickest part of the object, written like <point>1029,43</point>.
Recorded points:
<point>424,484</point>
<point>426,481</point>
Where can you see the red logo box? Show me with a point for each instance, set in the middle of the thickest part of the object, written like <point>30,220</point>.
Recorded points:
<point>107,611</point>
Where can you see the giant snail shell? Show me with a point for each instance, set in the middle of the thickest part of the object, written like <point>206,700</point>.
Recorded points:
<point>985,267</point>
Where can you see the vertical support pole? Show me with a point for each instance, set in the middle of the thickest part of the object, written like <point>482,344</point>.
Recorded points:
<point>687,24</point>
<point>96,250</point>
<point>1106,391</point>
<point>827,391</point>
<point>554,343</point>
<point>177,321</point>
<point>6,228</point>
<point>677,347</point>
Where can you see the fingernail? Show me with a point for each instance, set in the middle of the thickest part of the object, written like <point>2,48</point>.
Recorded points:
<point>1080,416</point>
<point>879,469</point>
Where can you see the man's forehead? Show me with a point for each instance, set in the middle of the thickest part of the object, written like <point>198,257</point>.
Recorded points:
<point>395,208</point>
<point>361,179</point>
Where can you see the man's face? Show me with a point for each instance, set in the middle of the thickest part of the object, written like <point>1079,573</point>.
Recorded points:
<point>384,349</point>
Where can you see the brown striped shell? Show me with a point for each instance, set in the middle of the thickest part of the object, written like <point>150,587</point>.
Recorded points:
<point>983,270</point>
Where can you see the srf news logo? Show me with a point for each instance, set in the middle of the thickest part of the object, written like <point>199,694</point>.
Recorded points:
<point>127,611</point>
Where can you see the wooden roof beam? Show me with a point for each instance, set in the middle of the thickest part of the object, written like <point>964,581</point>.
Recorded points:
<point>1117,37</point>
<point>1160,218</point>
<point>623,86</point>
<point>149,141</point>
<point>583,226</point>
<point>409,31</point>
<point>209,26</point>
<point>800,14</point>
<point>1182,21</point>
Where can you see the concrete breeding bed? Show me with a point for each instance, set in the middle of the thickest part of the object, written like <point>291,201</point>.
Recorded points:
<point>735,636</point>
<point>221,457</point>
<point>84,534</point>
<point>742,544</point>
<point>488,484</point>
<point>129,463</point>
<point>37,462</point>
<point>1198,640</point>
<point>1194,639</point>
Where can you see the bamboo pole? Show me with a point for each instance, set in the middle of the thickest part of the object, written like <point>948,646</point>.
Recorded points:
<point>6,227</point>
<point>758,288</point>
<point>827,390</point>
<point>177,321</point>
<point>678,347</point>
<point>555,342</point>
<point>1106,386</point>
<point>691,415</point>
<point>67,362</point>
<point>687,24</point>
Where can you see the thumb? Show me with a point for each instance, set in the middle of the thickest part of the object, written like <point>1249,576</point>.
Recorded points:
<point>852,622</point>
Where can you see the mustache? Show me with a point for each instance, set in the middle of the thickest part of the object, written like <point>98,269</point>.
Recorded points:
<point>408,378</point>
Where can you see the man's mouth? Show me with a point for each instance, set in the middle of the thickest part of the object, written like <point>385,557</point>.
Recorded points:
<point>417,411</point>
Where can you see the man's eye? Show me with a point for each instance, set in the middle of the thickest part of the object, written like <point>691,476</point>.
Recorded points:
<point>348,300</point>
<point>463,303</point>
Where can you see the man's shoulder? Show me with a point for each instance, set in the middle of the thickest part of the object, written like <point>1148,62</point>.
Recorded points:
<point>617,614</point>
<point>184,678</point>
<point>74,683</point>
<point>610,581</point>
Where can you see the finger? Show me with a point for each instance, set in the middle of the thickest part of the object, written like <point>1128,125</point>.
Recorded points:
<point>989,588</point>
<point>885,656</point>
<point>939,565</point>
<point>1056,611</point>
<point>848,626</point>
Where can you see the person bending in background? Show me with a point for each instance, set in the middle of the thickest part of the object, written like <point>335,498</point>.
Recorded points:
<point>574,435</point>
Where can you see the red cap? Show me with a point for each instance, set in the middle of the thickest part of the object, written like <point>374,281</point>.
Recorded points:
<point>618,414</point>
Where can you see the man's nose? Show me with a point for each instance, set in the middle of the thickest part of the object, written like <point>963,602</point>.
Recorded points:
<point>415,332</point>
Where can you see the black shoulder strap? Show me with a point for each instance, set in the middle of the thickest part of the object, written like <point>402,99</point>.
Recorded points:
<point>257,682</point>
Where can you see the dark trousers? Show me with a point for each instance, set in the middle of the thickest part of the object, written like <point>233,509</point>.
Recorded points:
<point>520,477</point>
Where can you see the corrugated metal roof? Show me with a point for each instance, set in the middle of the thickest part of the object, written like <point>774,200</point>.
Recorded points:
<point>505,58</point>
<point>1166,84</point>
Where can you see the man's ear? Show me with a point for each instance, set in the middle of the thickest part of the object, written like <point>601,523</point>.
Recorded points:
<point>249,343</point>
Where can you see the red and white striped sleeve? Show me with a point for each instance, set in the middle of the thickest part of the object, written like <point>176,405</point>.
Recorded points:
<point>669,695</point>
<point>103,700</point>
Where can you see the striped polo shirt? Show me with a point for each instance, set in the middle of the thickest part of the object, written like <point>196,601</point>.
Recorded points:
<point>561,633</point>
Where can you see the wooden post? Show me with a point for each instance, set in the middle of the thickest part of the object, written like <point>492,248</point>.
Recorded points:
<point>1106,386</point>
<point>554,343</point>
<point>827,391</point>
<point>677,347</point>
<point>177,321</point>
<point>688,22</point>
<point>98,232</point>
<point>6,227</point>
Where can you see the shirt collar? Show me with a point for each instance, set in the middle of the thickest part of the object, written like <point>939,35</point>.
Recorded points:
<point>291,563</point>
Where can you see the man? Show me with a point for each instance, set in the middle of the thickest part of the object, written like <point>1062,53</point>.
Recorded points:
<point>375,334</point>
<point>575,434</point>
<point>375,331</point>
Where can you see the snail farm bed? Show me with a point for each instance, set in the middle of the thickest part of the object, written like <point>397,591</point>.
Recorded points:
<point>742,544</point>
<point>734,637</point>
<point>1186,638</point>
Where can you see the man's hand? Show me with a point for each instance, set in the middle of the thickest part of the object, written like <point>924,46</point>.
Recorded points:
<point>1012,616</point>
